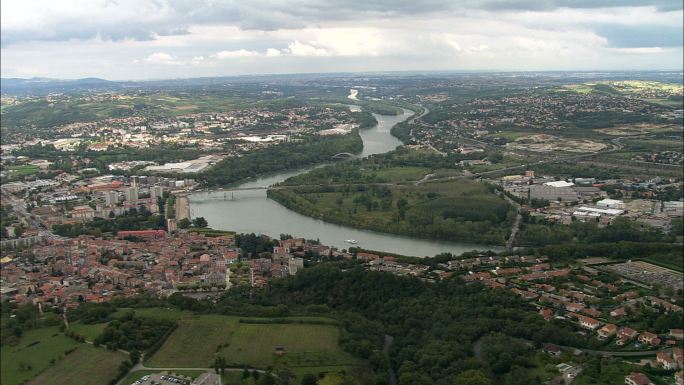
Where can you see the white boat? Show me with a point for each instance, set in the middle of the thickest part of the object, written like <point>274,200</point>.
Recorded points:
<point>352,241</point>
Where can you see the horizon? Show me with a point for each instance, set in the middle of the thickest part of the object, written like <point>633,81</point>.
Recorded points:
<point>138,40</point>
<point>375,73</point>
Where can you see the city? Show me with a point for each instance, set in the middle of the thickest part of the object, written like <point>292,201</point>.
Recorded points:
<point>272,195</point>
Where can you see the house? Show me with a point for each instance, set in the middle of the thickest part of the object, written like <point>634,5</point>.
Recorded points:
<point>574,307</point>
<point>625,335</point>
<point>677,333</point>
<point>547,314</point>
<point>678,355</point>
<point>627,332</point>
<point>591,312</point>
<point>588,322</point>
<point>551,349</point>
<point>665,360</point>
<point>637,379</point>
<point>606,331</point>
<point>649,338</point>
<point>619,312</point>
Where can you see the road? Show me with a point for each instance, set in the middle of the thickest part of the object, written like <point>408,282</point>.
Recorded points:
<point>516,225</point>
<point>19,208</point>
<point>388,339</point>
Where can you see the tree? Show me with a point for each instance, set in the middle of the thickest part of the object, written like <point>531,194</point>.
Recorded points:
<point>284,376</point>
<point>266,379</point>
<point>472,377</point>
<point>220,364</point>
<point>309,379</point>
<point>200,222</point>
<point>134,356</point>
<point>184,223</point>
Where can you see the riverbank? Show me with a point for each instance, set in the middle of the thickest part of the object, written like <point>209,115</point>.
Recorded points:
<point>253,212</point>
<point>458,211</point>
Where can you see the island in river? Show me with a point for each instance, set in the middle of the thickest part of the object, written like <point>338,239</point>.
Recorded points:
<point>252,212</point>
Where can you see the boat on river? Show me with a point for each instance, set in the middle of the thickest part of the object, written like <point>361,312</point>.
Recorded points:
<point>352,241</point>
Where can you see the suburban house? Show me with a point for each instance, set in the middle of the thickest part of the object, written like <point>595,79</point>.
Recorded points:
<point>606,331</point>
<point>588,322</point>
<point>649,338</point>
<point>678,355</point>
<point>547,314</point>
<point>637,379</point>
<point>677,333</point>
<point>664,360</point>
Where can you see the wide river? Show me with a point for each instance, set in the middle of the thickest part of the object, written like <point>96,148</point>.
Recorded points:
<point>253,212</point>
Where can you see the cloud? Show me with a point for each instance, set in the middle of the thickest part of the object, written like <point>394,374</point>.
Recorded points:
<point>297,48</point>
<point>240,53</point>
<point>162,58</point>
<point>273,52</point>
<point>132,38</point>
<point>142,20</point>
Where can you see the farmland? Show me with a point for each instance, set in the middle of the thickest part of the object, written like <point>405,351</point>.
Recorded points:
<point>33,354</point>
<point>303,344</point>
<point>251,342</point>
<point>195,342</point>
<point>88,331</point>
<point>85,366</point>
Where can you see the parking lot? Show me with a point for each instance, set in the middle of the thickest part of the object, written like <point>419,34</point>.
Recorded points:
<point>164,378</point>
<point>647,273</point>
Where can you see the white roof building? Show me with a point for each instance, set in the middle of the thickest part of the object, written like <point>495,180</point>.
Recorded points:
<point>611,204</point>
<point>611,212</point>
<point>559,183</point>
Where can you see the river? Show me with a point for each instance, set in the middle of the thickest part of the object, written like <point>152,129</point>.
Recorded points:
<point>253,212</point>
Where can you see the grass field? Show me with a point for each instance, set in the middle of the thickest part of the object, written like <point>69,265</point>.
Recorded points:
<point>85,366</point>
<point>304,344</point>
<point>199,339</point>
<point>195,342</point>
<point>23,170</point>
<point>155,312</point>
<point>90,332</point>
<point>35,349</point>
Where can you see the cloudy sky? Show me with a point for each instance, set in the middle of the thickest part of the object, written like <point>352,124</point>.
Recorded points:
<point>151,39</point>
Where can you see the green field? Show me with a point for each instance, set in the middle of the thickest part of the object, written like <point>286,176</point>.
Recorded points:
<point>23,170</point>
<point>251,342</point>
<point>154,312</point>
<point>304,345</point>
<point>195,342</point>
<point>85,366</point>
<point>90,332</point>
<point>35,349</point>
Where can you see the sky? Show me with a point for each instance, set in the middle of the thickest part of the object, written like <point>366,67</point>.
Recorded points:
<point>161,39</point>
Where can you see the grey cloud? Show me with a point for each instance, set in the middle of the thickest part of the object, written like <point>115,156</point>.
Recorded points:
<point>179,15</point>
<point>620,36</point>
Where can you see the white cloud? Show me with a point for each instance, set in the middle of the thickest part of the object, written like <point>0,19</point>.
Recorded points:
<point>240,53</point>
<point>640,50</point>
<point>297,48</point>
<point>37,35</point>
<point>273,52</point>
<point>162,58</point>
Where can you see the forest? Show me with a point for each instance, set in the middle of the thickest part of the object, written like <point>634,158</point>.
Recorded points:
<point>282,157</point>
<point>381,194</point>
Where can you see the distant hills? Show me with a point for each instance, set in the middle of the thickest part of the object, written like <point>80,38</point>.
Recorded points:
<point>43,86</point>
<point>48,85</point>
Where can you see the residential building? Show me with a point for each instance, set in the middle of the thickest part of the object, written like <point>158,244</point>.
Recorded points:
<point>649,338</point>
<point>637,379</point>
<point>665,360</point>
